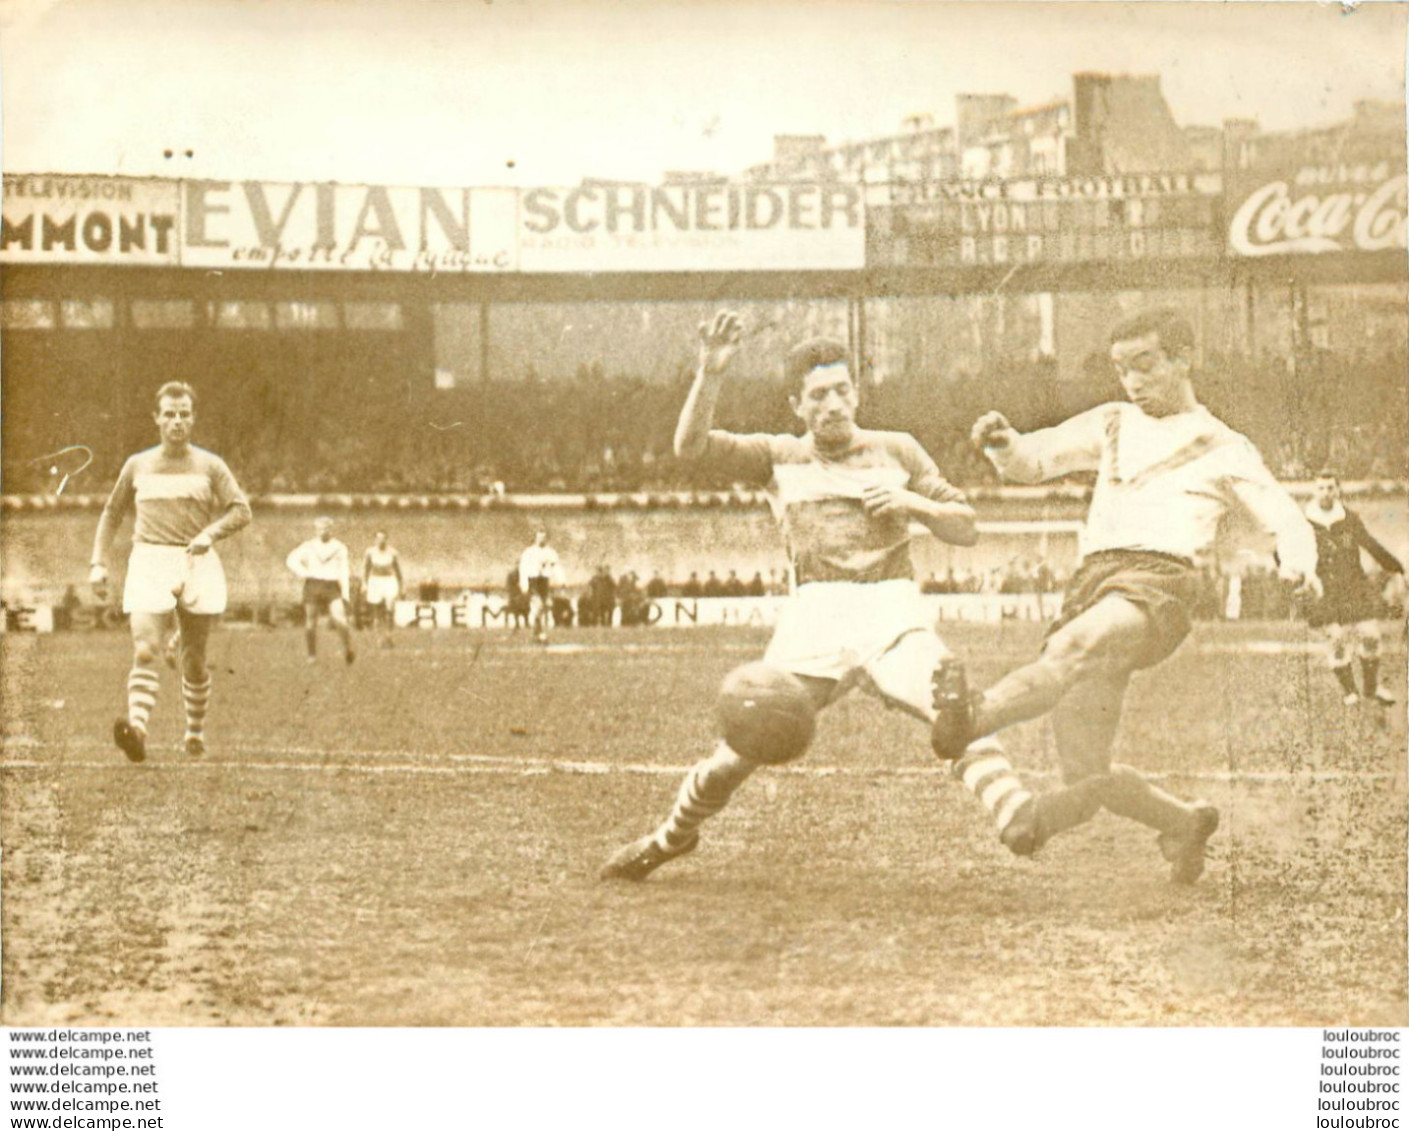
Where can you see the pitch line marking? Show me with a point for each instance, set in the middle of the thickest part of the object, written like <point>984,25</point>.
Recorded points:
<point>393,762</point>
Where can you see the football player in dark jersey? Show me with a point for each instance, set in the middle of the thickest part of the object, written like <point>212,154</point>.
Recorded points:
<point>1352,607</point>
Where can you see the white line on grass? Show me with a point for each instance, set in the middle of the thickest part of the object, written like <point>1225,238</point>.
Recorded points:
<point>392,762</point>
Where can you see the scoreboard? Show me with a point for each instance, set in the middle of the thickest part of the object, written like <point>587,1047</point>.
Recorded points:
<point>1053,220</point>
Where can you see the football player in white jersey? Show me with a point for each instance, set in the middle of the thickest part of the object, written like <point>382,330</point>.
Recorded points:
<point>323,564</point>
<point>185,501</point>
<point>1167,471</point>
<point>845,498</point>
<point>538,571</point>
<point>382,583</point>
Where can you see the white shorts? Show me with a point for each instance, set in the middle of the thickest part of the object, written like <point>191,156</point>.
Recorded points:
<point>876,635</point>
<point>156,574</point>
<point>382,590</point>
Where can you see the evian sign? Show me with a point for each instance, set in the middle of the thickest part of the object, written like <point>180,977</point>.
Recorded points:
<point>1320,209</point>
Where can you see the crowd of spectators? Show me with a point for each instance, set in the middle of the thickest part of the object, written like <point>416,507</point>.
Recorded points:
<point>598,432</point>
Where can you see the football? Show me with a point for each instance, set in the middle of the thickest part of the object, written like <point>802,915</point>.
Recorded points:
<point>765,714</point>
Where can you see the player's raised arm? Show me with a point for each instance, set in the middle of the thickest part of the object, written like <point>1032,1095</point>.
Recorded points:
<point>719,340</point>
<point>119,502</point>
<point>1049,453</point>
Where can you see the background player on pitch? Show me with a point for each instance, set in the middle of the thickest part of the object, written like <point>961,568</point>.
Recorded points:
<point>1167,471</point>
<point>322,563</point>
<point>382,583</point>
<point>538,570</point>
<point>1350,610</point>
<point>845,498</point>
<point>185,500</point>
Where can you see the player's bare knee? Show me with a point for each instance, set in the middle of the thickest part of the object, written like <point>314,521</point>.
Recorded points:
<point>145,652</point>
<point>1066,660</point>
<point>766,715</point>
<point>1083,656</point>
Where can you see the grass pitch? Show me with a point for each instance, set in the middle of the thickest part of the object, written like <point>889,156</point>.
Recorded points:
<point>414,840</point>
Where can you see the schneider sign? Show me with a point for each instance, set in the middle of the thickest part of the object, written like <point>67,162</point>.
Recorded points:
<point>697,227</point>
<point>1319,208</point>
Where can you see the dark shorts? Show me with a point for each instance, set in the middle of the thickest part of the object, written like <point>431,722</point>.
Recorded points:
<point>1166,589</point>
<point>321,594</point>
<point>1347,602</point>
<point>538,587</point>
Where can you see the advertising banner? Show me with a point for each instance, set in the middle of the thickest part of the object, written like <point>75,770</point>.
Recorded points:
<point>692,227</point>
<point>1049,220</point>
<point>89,220</point>
<point>316,226</point>
<point>592,228</point>
<point>476,610</point>
<point>1314,209</point>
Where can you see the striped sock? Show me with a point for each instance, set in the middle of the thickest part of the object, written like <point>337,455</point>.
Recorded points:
<point>141,697</point>
<point>704,792</point>
<point>988,775</point>
<point>196,696</point>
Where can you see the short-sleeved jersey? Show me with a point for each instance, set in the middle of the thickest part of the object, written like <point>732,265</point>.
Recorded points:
<point>175,498</point>
<point>1163,484</point>
<point>816,498</point>
<point>1340,536</point>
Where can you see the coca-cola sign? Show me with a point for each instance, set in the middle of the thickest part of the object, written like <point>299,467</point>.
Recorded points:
<point>1318,209</point>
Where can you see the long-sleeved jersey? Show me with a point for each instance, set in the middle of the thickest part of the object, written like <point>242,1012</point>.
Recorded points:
<point>816,498</point>
<point>175,499</point>
<point>1340,536</point>
<point>1162,483</point>
<point>321,559</point>
<point>537,562</point>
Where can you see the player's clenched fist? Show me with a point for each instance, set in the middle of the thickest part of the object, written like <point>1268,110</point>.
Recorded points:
<point>992,430</point>
<point>718,341</point>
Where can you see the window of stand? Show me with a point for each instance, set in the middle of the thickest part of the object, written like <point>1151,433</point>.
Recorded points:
<point>372,315</point>
<point>306,316</point>
<point>163,314</point>
<point>87,313</point>
<point>27,314</point>
<point>242,315</point>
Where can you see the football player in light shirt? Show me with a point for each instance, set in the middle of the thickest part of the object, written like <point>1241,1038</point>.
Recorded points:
<point>845,498</point>
<point>1167,471</point>
<point>538,570</point>
<point>382,583</point>
<point>322,562</point>
<point>1350,611</point>
<point>185,501</point>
